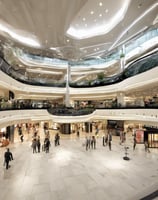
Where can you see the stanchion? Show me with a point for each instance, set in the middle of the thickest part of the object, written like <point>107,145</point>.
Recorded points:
<point>126,153</point>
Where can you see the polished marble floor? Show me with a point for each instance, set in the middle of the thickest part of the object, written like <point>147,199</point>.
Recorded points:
<point>69,172</point>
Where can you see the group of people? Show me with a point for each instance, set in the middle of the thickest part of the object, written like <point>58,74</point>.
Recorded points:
<point>36,144</point>
<point>46,145</point>
<point>90,142</point>
<point>107,139</point>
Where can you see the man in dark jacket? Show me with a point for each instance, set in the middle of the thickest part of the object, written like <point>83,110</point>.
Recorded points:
<point>8,157</point>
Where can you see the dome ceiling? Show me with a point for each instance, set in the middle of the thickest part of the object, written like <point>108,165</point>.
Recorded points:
<point>41,38</point>
<point>73,30</point>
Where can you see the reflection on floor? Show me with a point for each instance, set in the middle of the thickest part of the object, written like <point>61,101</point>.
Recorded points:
<point>69,172</point>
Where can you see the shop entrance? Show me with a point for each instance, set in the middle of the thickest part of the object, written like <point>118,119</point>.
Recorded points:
<point>153,140</point>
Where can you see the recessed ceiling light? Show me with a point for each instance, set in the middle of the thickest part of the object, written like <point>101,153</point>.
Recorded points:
<point>53,48</point>
<point>106,10</point>
<point>92,12</point>
<point>84,19</point>
<point>103,27</point>
<point>67,40</point>
<point>100,15</point>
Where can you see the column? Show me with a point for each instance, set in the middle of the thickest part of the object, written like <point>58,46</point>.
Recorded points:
<point>67,95</point>
<point>122,59</point>
<point>10,133</point>
<point>88,127</point>
<point>65,128</point>
<point>120,100</point>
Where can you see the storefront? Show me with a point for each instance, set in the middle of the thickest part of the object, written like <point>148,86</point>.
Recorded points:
<point>152,138</point>
<point>116,126</point>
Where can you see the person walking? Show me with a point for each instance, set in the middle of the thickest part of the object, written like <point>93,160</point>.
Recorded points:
<point>57,139</point>
<point>78,133</point>
<point>22,137</point>
<point>47,145</point>
<point>146,147</point>
<point>134,142</point>
<point>93,142</point>
<point>109,140</point>
<point>34,145</point>
<point>105,140</point>
<point>87,143</point>
<point>38,145</point>
<point>8,156</point>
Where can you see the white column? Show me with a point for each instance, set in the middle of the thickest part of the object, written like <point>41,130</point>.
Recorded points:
<point>122,59</point>
<point>120,99</point>
<point>67,95</point>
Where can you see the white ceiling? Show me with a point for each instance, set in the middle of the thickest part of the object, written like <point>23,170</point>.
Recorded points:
<point>43,24</point>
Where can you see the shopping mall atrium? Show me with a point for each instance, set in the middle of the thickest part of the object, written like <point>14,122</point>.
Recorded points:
<point>82,70</point>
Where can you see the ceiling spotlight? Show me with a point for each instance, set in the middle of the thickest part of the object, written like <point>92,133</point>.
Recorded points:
<point>67,40</point>
<point>92,12</point>
<point>103,27</point>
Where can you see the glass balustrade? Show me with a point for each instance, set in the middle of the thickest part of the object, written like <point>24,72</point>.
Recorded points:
<point>141,43</point>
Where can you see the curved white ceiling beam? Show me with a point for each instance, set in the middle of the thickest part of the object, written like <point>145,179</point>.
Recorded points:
<point>146,12</point>
<point>19,35</point>
<point>98,21</point>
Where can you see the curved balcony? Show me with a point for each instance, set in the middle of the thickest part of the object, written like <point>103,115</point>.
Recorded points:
<point>139,66</point>
<point>145,115</point>
<point>70,111</point>
<point>43,72</point>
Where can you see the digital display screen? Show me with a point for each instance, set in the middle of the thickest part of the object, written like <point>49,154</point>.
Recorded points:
<point>139,136</point>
